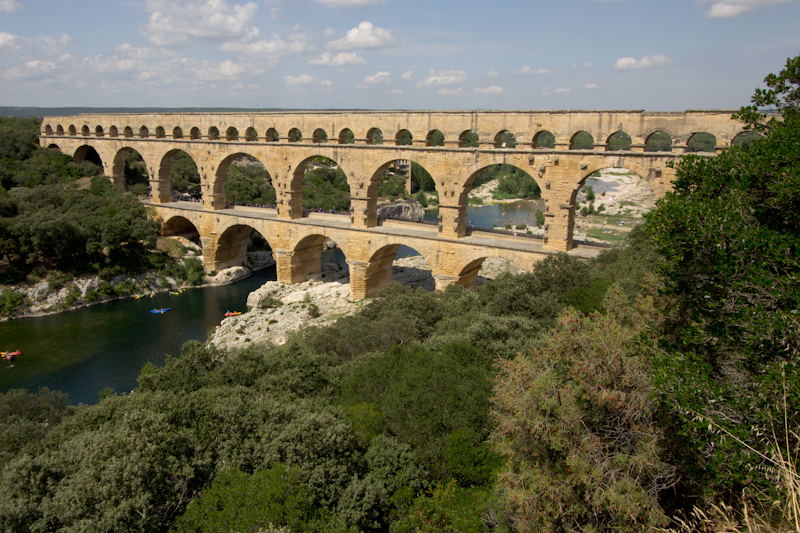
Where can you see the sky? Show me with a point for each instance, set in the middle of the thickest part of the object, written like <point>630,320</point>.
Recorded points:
<point>656,55</point>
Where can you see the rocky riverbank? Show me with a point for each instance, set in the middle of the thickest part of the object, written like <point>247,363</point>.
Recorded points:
<point>48,297</point>
<point>277,309</point>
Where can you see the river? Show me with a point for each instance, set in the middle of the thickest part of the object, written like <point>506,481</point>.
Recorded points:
<point>83,351</point>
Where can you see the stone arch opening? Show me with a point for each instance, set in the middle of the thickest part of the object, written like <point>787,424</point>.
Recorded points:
<point>582,140</point>
<point>130,169</point>
<point>658,141</point>
<point>98,131</point>
<point>177,133</point>
<point>544,140</point>
<point>400,263</point>
<point>128,131</point>
<point>113,132</point>
<point>702,142</point>
<point>242,179</point>
<point>72,131</point>
<point>402,189</point>
<point>403,138</point>
<point>434,138</point>
<point>468,139</point>
<point>505,139</point>
<point>53,146</point>
<point>178,173</point>
<point>85,130</point>
<point>346,136</point>
<point>242,245</point>
<point>194,133</point>
<point>250,135</point>
<point>183,229</point>
<point>231,134</point>
<point>59,130</point>
<point>480,270</point>
<point>48,130</point>
<point>520,209</point>
<point>160,133</point>
<point>316,256</point>
<point>295,135</point>
<point>323,184</point>
<point>610,201</point>
<point>272,136</point>
<point>144,132</point>
<point>213,133</point>
<point>618,142</point>
<point>745,138</point>
<point>88,153</point>
<point>374,136</point>
<point>320,136</point>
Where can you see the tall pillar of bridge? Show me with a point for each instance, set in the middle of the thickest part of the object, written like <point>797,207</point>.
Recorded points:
<point>364,212</point>
<point>297,266</point>
<point>367,278</point>
<point>560,215</point>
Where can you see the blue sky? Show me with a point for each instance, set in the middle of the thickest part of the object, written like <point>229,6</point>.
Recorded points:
<point>658,55</point>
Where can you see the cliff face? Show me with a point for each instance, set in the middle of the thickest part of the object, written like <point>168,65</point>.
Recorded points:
<point>401,210</point>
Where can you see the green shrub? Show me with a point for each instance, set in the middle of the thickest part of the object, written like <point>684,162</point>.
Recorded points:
<point>10,300</point>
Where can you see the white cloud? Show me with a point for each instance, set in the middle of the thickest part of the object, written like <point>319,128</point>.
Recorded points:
<point>365,35</point>
<point>656,60</point>
<point>348,3</point>
<point>9,41</point>
<point>396,91</point>
<point>528,70</point>
<point>590,86</point>
<point>9,6</point>
<point>492,89</point>
<point>407,75</point>
<point>181,21</point>
<point>53,41</point>
<point>563,90</point>
<point>443,77</point>
<point>270,50</point>
<point>208,71</point>
<point>733,8</point>
<point>381,78</point>
<point>305,80</point>
<point>31,69</point>
<point>492,74</point>
<point>341,59</point>
<point>451,92</point>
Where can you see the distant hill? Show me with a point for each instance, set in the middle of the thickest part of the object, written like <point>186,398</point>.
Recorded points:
<point>28,112</point>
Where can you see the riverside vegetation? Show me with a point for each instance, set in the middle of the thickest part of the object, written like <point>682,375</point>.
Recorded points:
<point>655,387</point>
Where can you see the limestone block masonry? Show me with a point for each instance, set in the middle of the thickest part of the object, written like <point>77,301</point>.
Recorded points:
<point>364,144</point>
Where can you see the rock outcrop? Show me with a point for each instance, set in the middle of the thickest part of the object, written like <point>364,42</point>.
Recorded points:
<point>409,210</point>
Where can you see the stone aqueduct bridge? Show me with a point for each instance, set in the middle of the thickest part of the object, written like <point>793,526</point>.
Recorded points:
<point>286,142</point>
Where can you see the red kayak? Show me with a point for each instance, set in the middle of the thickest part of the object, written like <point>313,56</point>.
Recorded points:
<point>10,356</point>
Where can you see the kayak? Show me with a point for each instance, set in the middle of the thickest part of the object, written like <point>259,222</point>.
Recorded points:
<point>159,311</point>
<point>233,313</point>
<point>10,356</point>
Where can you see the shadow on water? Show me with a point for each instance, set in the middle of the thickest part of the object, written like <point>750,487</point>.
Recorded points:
<point>83,351</point>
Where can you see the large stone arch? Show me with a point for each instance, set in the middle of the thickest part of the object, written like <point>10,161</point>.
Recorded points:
<point>216,188</point>
<point>84,150</point>
<point>165,166</point>
<point>521,161</point>
<point>179,225</point>
<point>577,180</point>
<point>118,170</point>
<point>230,247</point>
<point>465,271</point>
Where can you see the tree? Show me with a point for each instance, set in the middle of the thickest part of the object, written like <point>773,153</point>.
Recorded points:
<point>729,234</point>
<point>782,97</point>
<point>576,424</point>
